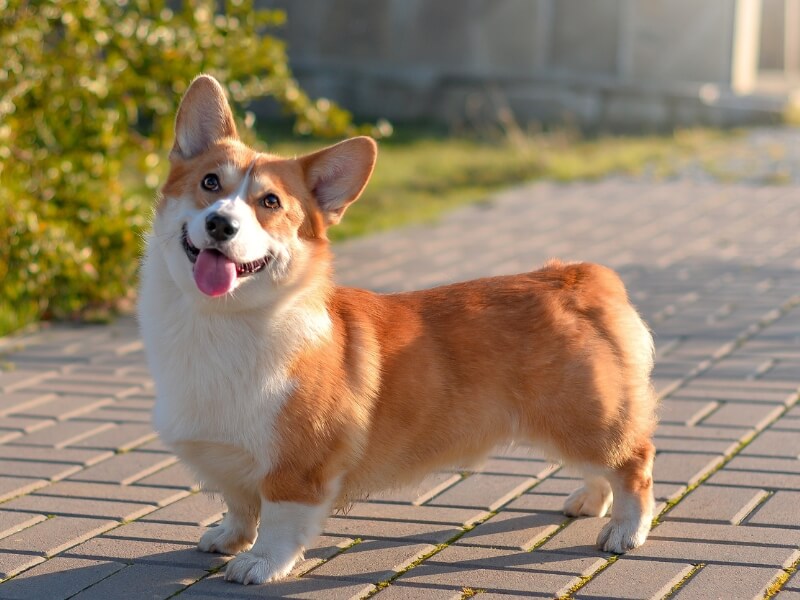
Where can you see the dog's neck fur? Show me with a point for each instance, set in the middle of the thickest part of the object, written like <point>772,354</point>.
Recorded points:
<point>253,348</point>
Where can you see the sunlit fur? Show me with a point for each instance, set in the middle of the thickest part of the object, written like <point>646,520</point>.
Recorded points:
<point>291,395</point>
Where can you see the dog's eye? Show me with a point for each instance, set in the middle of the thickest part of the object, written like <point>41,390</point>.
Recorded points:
<point>211,183</point>
<point>270,201</point>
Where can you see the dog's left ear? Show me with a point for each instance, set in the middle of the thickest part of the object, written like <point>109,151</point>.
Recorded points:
<point>338,174</point>
<point>204,118</point>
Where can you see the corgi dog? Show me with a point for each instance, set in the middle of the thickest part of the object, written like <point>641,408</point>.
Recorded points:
<point>291,396</point>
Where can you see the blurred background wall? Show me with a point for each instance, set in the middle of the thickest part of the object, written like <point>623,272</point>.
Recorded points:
<point>619,63</point>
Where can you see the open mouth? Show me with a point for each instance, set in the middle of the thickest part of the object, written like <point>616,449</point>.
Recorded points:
<point>242,269</point>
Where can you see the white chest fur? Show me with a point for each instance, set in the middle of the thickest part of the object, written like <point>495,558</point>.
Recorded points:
<point>221,378</point>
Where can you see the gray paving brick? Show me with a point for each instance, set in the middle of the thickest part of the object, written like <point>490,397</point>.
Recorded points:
<point>80,386</point>
<point>175,476</point>
<point>63,407</point>
<point>322,548</point>
<point>20,378</point>
<point>6,436</point>
<point>116,437</point>
<point>57,579</point>
<point>125,468</point>
<point>143,582</point>
<point>676,411</point>
<point>99,372</point>
<point>372,561</point>
<point>757,471</point>
<point>684,467</point>
<point>635,579</point>
<point>45,363</point>
<point>483,491</point>
<point>504,571</point>
<point>713,503</point>
<point>441,515</point>
<point>738,391</point>
<point>721,544</point>
<point>78,507</point>
<point>533,502</point>
<point>764,464</point>
<point>728,581</point>
<point>424,491</point>
<point>113,413</point>
<point>547,496</point>
<point>54,535</point>
<point>61,434</point>
<point>156,445</point>
<point>68,456</point>
<point>166,532</point>
<point>513,530</point>
<point>13,402</point>
<point>785,372</point>
<point>12,563</point>
<point>779,509</point>
<point>11,471</point>
<point>511,465</point>
<point>712,440</point>
<point>310,587</point>
<point>399,590</point>
<point>98,375</point>
<point>578,537</point>
<point>390,530</point>
<point>743,415</point>
<point>793,582</point>
<point>155,552</point>
<point>15,486</point>
<point>196,509</point>
<point>737,367</point>
<point>23,424</point>
<point>104,491</point>
<point>12,522</point>
<point>787,424</point>
<point>775,443</point>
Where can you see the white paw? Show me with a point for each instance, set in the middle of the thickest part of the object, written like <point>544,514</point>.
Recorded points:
<point>248,568</point>
<point>589,501</point>
<point>619,536</point>
<point>225,539</point>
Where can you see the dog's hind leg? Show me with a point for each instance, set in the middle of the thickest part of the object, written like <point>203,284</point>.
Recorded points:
<point>632,485</point>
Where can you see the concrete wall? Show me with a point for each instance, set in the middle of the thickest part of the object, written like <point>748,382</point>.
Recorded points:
<point>615,62</point>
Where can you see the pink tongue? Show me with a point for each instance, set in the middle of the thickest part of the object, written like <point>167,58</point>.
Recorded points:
<point>214,273</point>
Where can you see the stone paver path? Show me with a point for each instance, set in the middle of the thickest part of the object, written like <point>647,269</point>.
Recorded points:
<point>93,506</point>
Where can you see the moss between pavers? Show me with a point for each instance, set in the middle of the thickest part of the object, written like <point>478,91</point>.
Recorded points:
<point>584,579</point>
<point>686,578</point>
<point>778,584</point>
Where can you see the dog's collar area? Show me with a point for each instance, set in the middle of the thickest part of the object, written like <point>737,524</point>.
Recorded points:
<point>242,269</point>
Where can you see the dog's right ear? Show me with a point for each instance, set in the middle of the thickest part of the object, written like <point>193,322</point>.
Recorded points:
<point>204,118</point>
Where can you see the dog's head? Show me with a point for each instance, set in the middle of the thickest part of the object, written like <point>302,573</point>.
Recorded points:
<point>240,225</point>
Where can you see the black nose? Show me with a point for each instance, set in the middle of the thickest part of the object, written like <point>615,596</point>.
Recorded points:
<point>221,228</point>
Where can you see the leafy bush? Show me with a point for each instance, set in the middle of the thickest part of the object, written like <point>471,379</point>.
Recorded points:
<point>88,93</point>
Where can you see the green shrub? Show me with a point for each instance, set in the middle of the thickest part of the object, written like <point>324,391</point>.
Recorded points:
<point>88,93</point>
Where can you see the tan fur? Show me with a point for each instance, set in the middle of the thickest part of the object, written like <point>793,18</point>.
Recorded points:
<point>418,381</point>
<point>403,384</point>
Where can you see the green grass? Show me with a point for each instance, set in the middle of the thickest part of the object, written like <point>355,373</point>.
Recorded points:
<point>420,175</point>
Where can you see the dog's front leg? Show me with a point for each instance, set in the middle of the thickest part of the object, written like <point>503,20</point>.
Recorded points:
<point>285,530</point>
